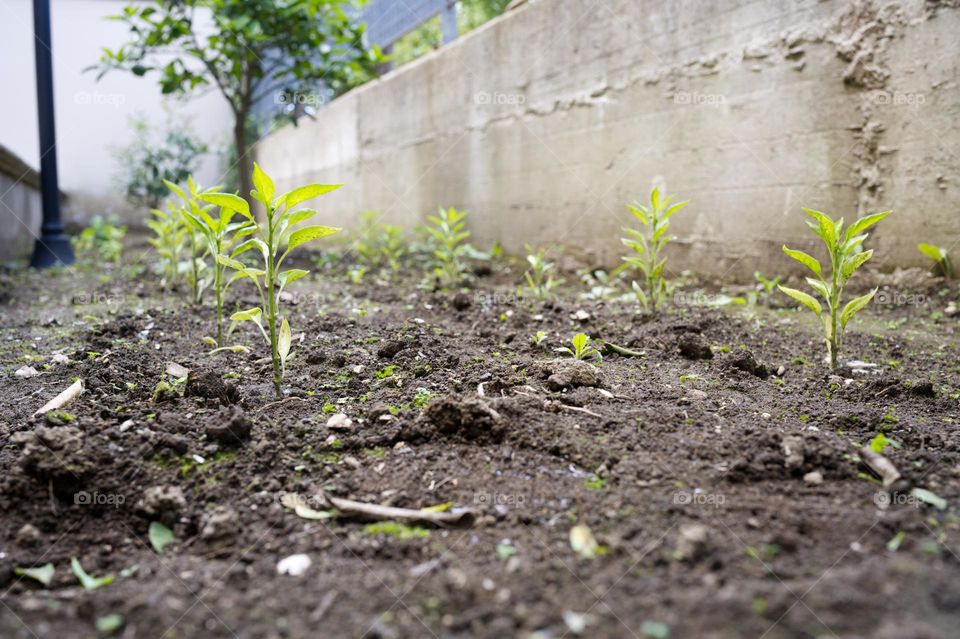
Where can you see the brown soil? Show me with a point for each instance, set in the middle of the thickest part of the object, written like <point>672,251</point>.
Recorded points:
<point>689,470</point>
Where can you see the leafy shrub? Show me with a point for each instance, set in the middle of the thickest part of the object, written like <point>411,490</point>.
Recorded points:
<point>101,240</point>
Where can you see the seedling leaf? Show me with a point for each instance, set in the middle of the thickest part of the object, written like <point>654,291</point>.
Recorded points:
<point>160,536</point>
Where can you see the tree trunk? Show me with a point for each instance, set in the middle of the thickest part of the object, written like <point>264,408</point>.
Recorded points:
<point>244,157</point>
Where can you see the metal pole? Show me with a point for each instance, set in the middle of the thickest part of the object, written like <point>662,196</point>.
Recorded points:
<point>53,247</point>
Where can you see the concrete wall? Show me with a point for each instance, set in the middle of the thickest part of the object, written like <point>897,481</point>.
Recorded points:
<point>20,207</point>
<point>92,118</point>
<point>545,122</point>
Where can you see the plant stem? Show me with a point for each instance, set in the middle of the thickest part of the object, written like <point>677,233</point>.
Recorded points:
<point>272,307</point>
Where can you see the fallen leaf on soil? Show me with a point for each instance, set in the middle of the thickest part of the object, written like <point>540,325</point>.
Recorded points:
<point>928,497</point>
<point>880,465</point>
<point>43,574</point>
<point>63,398</point>
<point>583,542</point>
<point>176,370</point>
<point>160,536</point>
<point>298,505</point>
<point>88,582</point>
<point>109,623</point>
<point>348,507</point>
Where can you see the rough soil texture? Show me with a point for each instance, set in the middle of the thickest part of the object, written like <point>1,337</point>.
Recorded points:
<point>729,503</point>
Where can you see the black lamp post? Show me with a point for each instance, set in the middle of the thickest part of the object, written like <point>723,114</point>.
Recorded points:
<point>53,246</point>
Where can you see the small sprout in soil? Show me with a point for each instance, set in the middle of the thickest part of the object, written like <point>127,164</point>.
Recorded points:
<point>386,371</point>
<point>88,582</point>
<point>58,417</point>
<point>539,338</point>
<point>580,349</point>
<point>505,550</point>
<point>655,629</point>
<point>942,265</point>
<point>422,398</point>
<point>160,536</point>
<point>42,574</point>
<point>397,530</point>
<point>647,244</point>
<point>448,232</point>
<point>894,544</point>
<point>108,624</point>
<point>595,483</point>
<point>277,230</point>
<point>539,277</point>
<point>846,256</point>
<point>879,443</point>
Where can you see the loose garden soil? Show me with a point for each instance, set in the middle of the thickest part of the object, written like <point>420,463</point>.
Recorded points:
<point>719,471</point>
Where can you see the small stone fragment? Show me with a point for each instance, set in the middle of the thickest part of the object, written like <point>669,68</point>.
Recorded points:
<point>339,421</point>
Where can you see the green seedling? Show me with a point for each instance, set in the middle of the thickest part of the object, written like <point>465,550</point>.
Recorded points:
<point>169,240</point>
<point>393,246</point>
<point>539,277</point>
<point>88,582</point>
<point>581,349</point>
<point>846,256</point>
<point>101,240</point>
<point>448,233</point>
<point>218,234</point>
<point>539,338</point>
<point>941,259</point>
<point>648,244</point>
<point>275,231</point>
<point>366,244</point>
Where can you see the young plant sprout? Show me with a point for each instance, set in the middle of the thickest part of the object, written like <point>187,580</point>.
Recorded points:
<point>648,243</point>
<point>169,238</point>
<point>276,231</point>
<point>539,338</point>
<point>393,246</point>
<point>846,256</point>
<point>366,244</point>
<point>218,235</point>
<point>448,234</point>
<point>580,349</point>
<point>539,277</point>
<point>941,259</point>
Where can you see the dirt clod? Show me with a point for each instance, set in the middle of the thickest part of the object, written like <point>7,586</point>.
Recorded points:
<point>209,385</point>
<point>163,503</point>
<point>57,453</point>
<point>745,361</point>
<point>693,346</point>
<point>693,541</point>
<point>230,427</point>
<point>466,419</point>
<point>571,373</point>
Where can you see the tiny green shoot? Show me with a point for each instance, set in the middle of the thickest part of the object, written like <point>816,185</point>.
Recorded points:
<point>648,243</point>
<point>581,349</point>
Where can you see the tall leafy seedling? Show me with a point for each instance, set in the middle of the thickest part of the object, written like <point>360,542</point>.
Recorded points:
<point>448,231</point>
<point>648,243</point>
<point>219,234</point>
<point>271,234</point>
<point>169,239</point>
<point>845,250</point>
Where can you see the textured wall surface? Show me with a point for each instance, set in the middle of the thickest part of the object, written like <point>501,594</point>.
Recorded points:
<point>545,122</point>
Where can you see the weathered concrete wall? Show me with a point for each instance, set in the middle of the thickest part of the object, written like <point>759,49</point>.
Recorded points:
<point>20,207</point>
<point>544,123</point>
